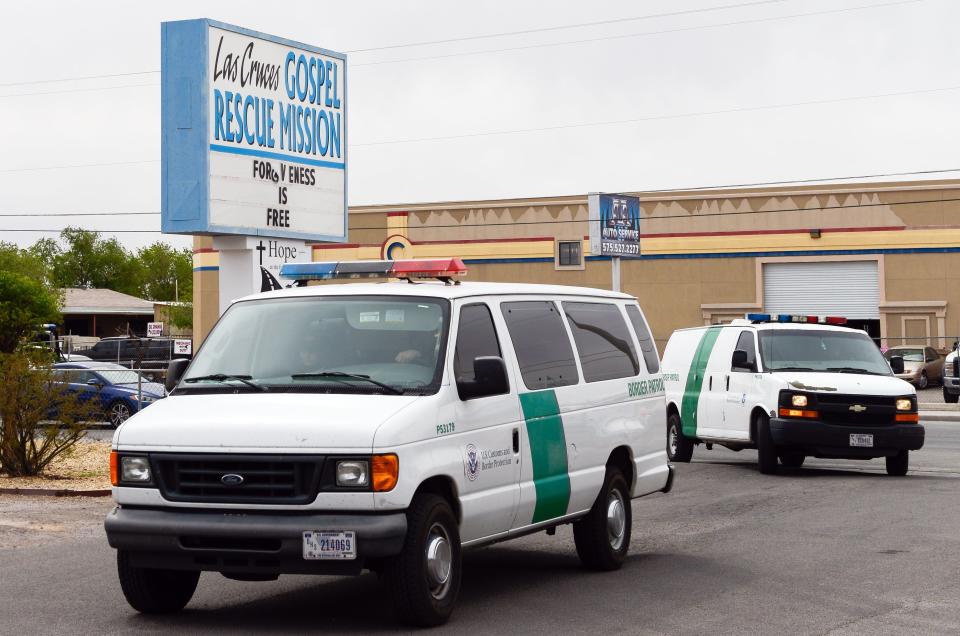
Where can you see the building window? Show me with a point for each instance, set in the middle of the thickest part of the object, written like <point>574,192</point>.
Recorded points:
<point>568,254</point>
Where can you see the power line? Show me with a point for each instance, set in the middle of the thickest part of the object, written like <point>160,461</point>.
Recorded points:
<point>519,48</point>
<point>632,35</point>
<point>77,78</point>
<point>635,120</point>
<point>80,90</point>
<point>80,165</point>
<point>578,25</point>
<point>55,214</point>
<point>553,222</point>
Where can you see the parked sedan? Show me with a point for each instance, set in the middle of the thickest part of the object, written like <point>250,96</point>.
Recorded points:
<point>113,385</point>
<point>921,365</point>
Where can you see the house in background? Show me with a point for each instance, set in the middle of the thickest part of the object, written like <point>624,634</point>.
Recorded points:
<point>103,313</point>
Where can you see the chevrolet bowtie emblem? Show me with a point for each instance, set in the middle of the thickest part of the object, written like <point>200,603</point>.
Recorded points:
<point>856,408</point>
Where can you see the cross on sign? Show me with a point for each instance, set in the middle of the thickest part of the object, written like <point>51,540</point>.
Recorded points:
<point>260,248</point>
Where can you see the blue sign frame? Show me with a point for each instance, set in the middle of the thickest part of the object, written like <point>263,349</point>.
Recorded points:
<point>185,132</point>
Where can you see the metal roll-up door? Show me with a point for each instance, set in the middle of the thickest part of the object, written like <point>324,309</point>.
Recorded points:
<point>841,288</point>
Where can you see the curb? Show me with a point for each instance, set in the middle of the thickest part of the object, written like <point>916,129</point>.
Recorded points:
<point>940,416</point>
<point>53,492</point>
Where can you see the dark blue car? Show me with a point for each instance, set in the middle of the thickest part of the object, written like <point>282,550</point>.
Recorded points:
<point>115,387</point>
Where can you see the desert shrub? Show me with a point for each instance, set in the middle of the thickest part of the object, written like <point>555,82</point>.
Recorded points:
<point>40,420</point>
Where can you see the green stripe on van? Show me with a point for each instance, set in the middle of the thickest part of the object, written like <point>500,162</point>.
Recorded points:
<point>548,449</point>
<point>691,392</point>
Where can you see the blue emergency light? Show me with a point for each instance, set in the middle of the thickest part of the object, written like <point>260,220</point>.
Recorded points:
<point>797,318</point>
<point>441,268</point>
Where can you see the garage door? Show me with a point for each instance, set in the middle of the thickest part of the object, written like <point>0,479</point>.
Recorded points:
<point>849,289</point>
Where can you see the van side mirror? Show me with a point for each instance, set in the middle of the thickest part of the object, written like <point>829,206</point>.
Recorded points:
<point>490,378</point>
<point>896,364</point>
<point>741,361</point>
<point>175,370</point>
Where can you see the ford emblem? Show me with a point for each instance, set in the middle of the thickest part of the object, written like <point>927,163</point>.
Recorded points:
<point>231,479</point>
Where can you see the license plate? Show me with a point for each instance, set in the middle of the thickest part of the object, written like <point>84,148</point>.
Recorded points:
<point>329,545</point>
<point>861,439</point>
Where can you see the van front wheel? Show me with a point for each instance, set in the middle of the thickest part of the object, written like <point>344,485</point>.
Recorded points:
<point>153,591</point>
<point>603,536</point>
<point>679,447</point>
<point>424,579</point>
<point>766,451</point>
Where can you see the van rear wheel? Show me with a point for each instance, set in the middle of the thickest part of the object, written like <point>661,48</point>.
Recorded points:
<point>766,451</point>
<point>603,536</point>
<point>679,447</point>
<point>792,459</point>
<point>897,465</point>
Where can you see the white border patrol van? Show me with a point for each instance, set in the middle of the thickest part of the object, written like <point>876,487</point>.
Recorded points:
<point>792,389</point>
<point>384,426</point>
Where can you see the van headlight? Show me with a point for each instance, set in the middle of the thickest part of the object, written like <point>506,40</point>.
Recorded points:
<point>904,404</point>
<point>798,400</point>
<point>353,473</point>
<point>135,470</point>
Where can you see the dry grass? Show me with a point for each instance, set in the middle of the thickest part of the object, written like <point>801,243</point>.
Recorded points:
<point>87,467</point>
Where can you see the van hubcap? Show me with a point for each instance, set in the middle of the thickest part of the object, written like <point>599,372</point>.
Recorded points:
<point>439,560</point>
<point>616,519</point>
<point>673,440</point>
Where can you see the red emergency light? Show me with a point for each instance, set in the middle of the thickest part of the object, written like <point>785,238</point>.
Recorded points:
<point>445,269</point>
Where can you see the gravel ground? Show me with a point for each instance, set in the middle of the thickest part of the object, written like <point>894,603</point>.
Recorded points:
<point>86,467</point>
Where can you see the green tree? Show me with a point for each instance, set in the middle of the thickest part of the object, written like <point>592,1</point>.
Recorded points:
<point>25,304</point>
<point>20,261</point>
<point>166,273</point>
<point>89,260</point>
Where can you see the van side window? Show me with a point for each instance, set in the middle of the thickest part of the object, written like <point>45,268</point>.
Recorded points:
<point>476,337</point>
<point>747,343</point>
<point>647,346</point>
<point>541,342</point>
<point>603,341</point>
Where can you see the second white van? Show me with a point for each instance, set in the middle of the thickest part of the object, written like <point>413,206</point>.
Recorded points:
<point>791,387</point>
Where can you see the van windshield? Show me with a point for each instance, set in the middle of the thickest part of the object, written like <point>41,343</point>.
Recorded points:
<point>820,350</point>
<point>331,344</point>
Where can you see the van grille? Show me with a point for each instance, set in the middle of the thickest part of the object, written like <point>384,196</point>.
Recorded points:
<point>878,410</point>
<point>266,479</point>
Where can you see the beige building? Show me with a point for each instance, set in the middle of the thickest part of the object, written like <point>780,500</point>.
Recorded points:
<point>886,255</point>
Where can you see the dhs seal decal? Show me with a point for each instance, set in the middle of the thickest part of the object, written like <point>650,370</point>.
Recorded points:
<point>471,463</point>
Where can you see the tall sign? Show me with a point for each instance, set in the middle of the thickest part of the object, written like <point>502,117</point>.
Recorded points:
<point>614,225</point>
<point>614,221</point>
<point>254,134</point>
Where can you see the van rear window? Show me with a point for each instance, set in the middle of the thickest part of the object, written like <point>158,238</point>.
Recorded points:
<point>541,342</point>
<point>603,341</point>
<point>647,345</point>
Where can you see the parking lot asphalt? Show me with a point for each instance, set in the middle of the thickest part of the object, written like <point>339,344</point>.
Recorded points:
<point>833,548</point>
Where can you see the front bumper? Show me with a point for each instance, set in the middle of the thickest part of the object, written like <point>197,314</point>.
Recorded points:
<point>820,439</point>
<point>246,542</point>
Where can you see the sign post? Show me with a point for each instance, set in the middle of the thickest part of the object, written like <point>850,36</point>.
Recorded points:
<point>614,221</point>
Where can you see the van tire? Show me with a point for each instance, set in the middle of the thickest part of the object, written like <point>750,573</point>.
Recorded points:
<point>950,398</point>
<point>151,591</point>
<point>766,451</point>
<point>792,459</point>
<point>679,447</point>
<point>419,597</point>
<point>602,537</point>
<point>897,465</point>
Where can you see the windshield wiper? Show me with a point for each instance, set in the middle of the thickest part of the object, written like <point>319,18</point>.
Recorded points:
<point>790,369</point>
<point>223,377</point>
<point>337,375</point>
<point>853,370</point>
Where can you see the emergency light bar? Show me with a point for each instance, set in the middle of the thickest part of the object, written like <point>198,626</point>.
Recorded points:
<point>444,269</point>
<point>815,320</point>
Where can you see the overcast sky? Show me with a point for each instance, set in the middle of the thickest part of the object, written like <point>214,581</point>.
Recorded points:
<point>453,120</point>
